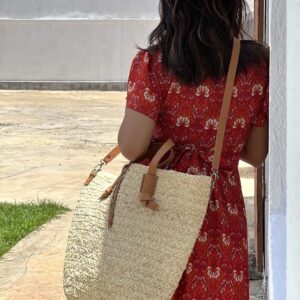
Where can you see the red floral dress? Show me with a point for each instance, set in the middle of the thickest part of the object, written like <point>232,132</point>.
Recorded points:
<point>218,265</point>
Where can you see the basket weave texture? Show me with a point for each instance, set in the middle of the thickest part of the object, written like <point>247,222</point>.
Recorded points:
<point>144,253</point>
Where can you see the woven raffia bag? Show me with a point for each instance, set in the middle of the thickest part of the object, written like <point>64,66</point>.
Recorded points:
<point>131,236</point>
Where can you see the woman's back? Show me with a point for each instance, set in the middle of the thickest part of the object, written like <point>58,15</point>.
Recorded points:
<point>218,265</point>
<point>189,115</point>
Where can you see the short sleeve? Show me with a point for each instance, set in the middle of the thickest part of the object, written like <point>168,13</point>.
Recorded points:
<point>262,114</point>
<point>143,87</point>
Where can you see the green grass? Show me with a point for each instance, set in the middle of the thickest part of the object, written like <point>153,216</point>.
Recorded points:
<point>18,220</point>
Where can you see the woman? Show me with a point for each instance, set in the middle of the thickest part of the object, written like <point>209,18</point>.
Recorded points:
<point>175,89</point>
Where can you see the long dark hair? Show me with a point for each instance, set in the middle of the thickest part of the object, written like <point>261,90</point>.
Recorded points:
<point>195,38</point>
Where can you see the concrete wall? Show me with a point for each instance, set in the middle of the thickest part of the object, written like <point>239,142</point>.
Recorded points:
<point>70,50</point>
<point>72,40</point>
<point>87,9</point>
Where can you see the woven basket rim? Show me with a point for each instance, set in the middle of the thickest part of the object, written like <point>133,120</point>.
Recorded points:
<point>164,172</point>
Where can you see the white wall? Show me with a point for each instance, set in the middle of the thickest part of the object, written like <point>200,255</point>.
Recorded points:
<point>284,163</point>
<point>293,150</point>
<point>277,158</point>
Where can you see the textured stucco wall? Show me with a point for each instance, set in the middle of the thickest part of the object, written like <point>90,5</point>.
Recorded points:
<point>293,150</point>
<point>277,163</point>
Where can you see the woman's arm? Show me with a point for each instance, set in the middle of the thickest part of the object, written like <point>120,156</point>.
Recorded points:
<point>135,134</point>
<point>256,148</point>
<point>136,130</point>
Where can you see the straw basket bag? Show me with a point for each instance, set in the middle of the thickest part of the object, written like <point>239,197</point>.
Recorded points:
<point>131,236</point>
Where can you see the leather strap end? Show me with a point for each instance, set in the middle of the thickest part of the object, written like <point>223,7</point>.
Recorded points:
<point>148,201</point>
<point>145,197</point>
<point>153,205</point>
<point>112,154</point>
<point>89,179</point>
<point>106,193</point>
<point>147,190</point>
<point>148,184</point>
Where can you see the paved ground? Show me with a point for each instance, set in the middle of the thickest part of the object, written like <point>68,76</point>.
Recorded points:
<point>49,143</point>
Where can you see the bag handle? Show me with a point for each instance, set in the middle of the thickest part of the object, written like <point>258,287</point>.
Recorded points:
<point>116,151</point>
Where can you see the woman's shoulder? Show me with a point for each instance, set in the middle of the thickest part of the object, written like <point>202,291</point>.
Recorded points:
<point>151,59</point>
<point>149,63</point>
<point>254,56</point>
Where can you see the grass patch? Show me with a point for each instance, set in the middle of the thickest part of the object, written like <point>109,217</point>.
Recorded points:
<point>18,220</point>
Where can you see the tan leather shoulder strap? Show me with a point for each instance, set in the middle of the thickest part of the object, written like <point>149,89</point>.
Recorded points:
<point>226,102</point>
<point>112,154</point>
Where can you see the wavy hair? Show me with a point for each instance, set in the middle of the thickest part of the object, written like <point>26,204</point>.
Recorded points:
<point>195,38</point>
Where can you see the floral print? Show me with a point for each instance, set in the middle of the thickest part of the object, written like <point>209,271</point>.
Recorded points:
<point>217,268</point>
<point>257,89</point>
<point>148,95</point>
<point>183,120</point>
<point>131,86</point>
<point>202,89</point>
<point>239,123</point>
<point>235,92</point>
<point>175,87</point>
<point>211,123</point>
